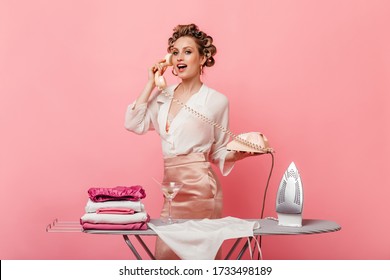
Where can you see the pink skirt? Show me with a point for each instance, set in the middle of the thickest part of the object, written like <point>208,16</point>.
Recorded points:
<point>199,198</point>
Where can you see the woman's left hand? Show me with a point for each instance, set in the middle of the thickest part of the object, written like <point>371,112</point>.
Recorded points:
<point>236,155</point>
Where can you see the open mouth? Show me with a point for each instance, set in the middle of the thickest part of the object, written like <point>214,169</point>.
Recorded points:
<point>181,67</point>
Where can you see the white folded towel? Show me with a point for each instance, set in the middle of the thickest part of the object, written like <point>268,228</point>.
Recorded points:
<point>92,207</point>
<point>114,218</point>
<point>201,239</point>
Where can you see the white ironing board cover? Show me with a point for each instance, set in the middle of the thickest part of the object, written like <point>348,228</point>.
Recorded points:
<point>201,239</point>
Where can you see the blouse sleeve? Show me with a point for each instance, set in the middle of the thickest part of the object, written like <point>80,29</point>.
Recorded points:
<point>142,118</point>
<point>218,150</point>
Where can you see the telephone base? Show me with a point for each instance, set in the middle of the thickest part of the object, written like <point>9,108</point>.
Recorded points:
<point>290,220</point>
<point>247,151</point>
<point>258,143</point>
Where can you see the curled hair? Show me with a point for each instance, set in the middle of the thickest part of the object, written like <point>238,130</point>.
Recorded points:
<point>203,41</point>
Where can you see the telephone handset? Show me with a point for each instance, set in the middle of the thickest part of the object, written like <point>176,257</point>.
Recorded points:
<point>254,142</point>
<point>159,79</point>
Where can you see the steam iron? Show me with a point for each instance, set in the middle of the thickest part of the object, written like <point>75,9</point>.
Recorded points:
<point>289,200</point>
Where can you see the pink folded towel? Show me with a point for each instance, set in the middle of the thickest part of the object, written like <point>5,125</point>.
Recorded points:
<point>132,226</point>
<point>115,211</point>
<point>133,193</point>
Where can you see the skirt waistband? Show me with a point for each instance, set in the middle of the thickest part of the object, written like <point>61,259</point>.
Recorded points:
<point>183,159</point>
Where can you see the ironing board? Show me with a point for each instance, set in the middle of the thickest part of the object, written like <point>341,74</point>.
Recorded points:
<point>267,227</point>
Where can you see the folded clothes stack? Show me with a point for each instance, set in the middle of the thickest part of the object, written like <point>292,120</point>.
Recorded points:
<point>117,208</point>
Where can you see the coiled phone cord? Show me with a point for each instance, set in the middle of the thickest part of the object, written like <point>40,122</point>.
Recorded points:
<point>217,125</point>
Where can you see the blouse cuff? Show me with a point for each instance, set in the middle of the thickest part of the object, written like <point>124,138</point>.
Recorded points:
<point>225,166</point>
<point>135,116</point>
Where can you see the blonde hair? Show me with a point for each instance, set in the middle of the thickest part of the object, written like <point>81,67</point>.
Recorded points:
<point>203,41</point>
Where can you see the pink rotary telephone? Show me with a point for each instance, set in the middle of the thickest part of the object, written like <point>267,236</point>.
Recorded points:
<point>254,142</point>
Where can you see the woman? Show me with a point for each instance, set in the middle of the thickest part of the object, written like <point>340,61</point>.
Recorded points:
<point>189,144</point>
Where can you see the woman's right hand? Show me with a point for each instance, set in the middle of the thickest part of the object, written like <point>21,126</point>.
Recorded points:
<point>159,68</point>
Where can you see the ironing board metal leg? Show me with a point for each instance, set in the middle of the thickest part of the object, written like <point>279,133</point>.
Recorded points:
<point>232,249</point>
<point>145,247</point>
<point>132,248</point>
<point>243,249</point>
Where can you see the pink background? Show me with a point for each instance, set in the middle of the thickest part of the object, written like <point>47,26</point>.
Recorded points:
<point>313,76</point>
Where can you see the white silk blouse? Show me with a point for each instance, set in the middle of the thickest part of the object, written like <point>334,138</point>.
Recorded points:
<point>187,133</point>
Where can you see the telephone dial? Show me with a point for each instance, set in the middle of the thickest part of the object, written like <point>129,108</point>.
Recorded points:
<point>254,142</point>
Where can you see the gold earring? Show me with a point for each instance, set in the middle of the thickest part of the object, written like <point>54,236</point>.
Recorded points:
<point>173,72</point>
